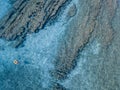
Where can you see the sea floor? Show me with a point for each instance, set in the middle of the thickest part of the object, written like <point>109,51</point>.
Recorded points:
<point>77,50</point>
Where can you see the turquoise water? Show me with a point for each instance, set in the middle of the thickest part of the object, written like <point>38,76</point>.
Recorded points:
<point>96,67</point>
<point>4,7</point>
<point>35,59</point>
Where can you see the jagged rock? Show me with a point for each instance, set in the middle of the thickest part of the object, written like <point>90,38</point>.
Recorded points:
<point>27,16</point>
<point>84,57</point>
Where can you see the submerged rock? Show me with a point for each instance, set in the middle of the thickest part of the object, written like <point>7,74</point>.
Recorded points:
<point>76,48</point>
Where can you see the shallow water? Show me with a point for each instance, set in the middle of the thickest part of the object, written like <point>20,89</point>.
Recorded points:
<point>35,58</point>
<point>95,65</point>
<point>4,7</point>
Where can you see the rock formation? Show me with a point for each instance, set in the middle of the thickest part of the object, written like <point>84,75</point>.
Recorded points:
<point>78,51</point>
<point>27,16</point>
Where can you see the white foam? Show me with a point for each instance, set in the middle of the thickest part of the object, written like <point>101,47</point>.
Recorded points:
<point>39,49</point>
<point>90,50</point>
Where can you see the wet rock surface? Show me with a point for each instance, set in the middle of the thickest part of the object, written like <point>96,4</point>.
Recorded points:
<point>27,16</point>
<point>93,22</point>
<point>79,50</point>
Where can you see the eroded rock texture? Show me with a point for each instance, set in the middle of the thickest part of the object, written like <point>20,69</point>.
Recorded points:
<point>93,22</point>
<point>27,16</point>
<point>79,50</point>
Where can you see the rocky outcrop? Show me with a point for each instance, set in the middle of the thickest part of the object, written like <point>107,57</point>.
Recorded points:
<point>94,21</point>
<point>78,35</point>
<point>91,39</point>
<point>27,16</point>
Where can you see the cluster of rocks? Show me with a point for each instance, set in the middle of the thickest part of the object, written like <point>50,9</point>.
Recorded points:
<point>93,20</point>
<point>27,16</point>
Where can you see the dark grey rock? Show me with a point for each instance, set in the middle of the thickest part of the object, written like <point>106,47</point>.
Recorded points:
<point>27,16</point>
<point>88,55</point>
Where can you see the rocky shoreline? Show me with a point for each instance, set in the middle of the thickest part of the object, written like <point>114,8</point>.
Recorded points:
<point>80,51</point>
<point>27,16</point>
